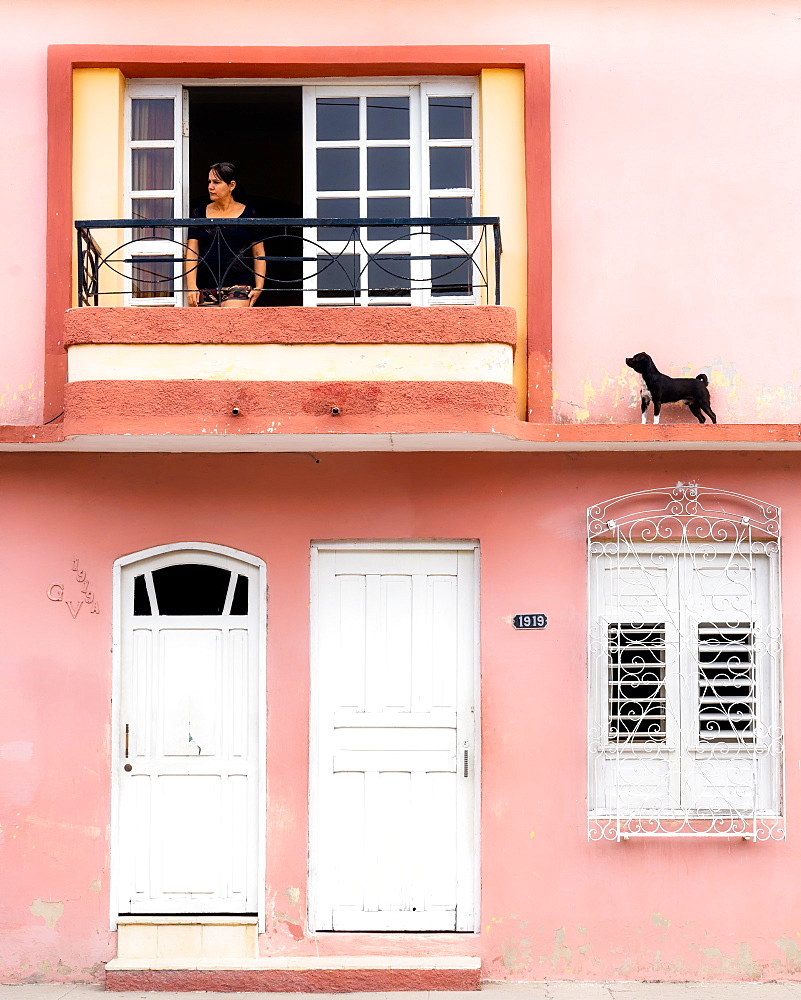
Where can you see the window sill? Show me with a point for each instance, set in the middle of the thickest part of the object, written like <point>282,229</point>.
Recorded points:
<point>743,826</point>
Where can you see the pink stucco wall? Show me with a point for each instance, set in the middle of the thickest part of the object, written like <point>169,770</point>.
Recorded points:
<point>553,905</point>
<point>676,153</point>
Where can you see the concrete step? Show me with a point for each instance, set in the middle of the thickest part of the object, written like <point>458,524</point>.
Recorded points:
<point>185,941</point>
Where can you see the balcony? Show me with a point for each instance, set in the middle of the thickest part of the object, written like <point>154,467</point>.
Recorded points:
<point>433,353</point>
<point>409,261</point>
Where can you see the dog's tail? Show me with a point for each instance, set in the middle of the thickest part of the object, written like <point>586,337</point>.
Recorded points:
<point>702,379</point>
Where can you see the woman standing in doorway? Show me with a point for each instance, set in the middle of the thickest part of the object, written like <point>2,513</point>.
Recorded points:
<point>225,267</point>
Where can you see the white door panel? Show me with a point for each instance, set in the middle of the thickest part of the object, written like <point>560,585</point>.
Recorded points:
<point>393,776</point>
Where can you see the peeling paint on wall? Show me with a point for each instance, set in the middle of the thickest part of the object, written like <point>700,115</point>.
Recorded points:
<point>773,404</point>
<point>516,954</point>
<point>743,966</point>
<point>289,923</point>
<point>21,403</point>
<point>561,954</point>
<point>49,911</point>
<point>792,953</point>
<point>609,396</point>
<point>569,961</point>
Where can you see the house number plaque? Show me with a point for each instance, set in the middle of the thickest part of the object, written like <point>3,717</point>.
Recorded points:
<point>530,621</point>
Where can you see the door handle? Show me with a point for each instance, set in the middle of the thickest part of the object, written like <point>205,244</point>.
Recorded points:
<point>466,759</point>
<point>127,767</point>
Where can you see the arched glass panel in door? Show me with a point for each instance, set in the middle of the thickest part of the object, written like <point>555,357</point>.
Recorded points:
<point>190,589</point>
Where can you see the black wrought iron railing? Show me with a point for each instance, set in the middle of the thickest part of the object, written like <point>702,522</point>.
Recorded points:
<point>293,261</point>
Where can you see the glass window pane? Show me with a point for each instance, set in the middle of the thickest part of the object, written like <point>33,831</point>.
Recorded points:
<point>141,601</point>
<point>152,277</point>
<point>387,117</point>
<point>337,118</point>
<point>152,170</point>
<point>451,275</point>
<point>152,208</point>
<point>451,208</point>
<point>388,208</point>
<point>239,604</point>
<point>450,118</point>
<point>450,167</point>
<point>388,168</point>
<point>390,275</point>
<point>191,589</point>
<point>336,208</point>
<point>337,169</point>
<point>338,277</point>
<point>152,119</point>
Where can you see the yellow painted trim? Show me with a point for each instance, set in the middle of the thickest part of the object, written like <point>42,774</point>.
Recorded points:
<point>503,193</point>
<point>98,100</point>
<point>293,362</point>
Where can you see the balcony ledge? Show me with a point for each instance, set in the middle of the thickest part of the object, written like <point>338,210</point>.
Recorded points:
<point>403,432</point>
<point>291,325</point>
<point>183,371</point>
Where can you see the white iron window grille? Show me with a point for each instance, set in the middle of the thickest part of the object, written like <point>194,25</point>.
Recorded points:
<point>686,733</point>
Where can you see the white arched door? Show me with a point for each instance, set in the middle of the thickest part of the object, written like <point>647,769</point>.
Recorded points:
<point>188,731</point>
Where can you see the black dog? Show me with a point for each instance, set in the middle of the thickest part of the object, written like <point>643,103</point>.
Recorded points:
<point>664,389</point>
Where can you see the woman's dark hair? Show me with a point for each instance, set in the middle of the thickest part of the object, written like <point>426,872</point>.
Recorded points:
<point>227,172</point>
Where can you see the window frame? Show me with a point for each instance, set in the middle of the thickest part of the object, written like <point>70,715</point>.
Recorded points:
<point>179,193</point>
<point>669,787</point>
<point>420,191</point>
<point>419,91</point>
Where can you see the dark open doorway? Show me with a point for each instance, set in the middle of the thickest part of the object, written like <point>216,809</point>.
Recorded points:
<point>260,129</point>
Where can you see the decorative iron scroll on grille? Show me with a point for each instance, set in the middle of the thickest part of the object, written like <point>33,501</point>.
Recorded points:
<point>685,735</point>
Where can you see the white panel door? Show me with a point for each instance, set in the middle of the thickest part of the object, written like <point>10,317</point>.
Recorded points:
<point>394,761</point>
<point>188,725</point>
